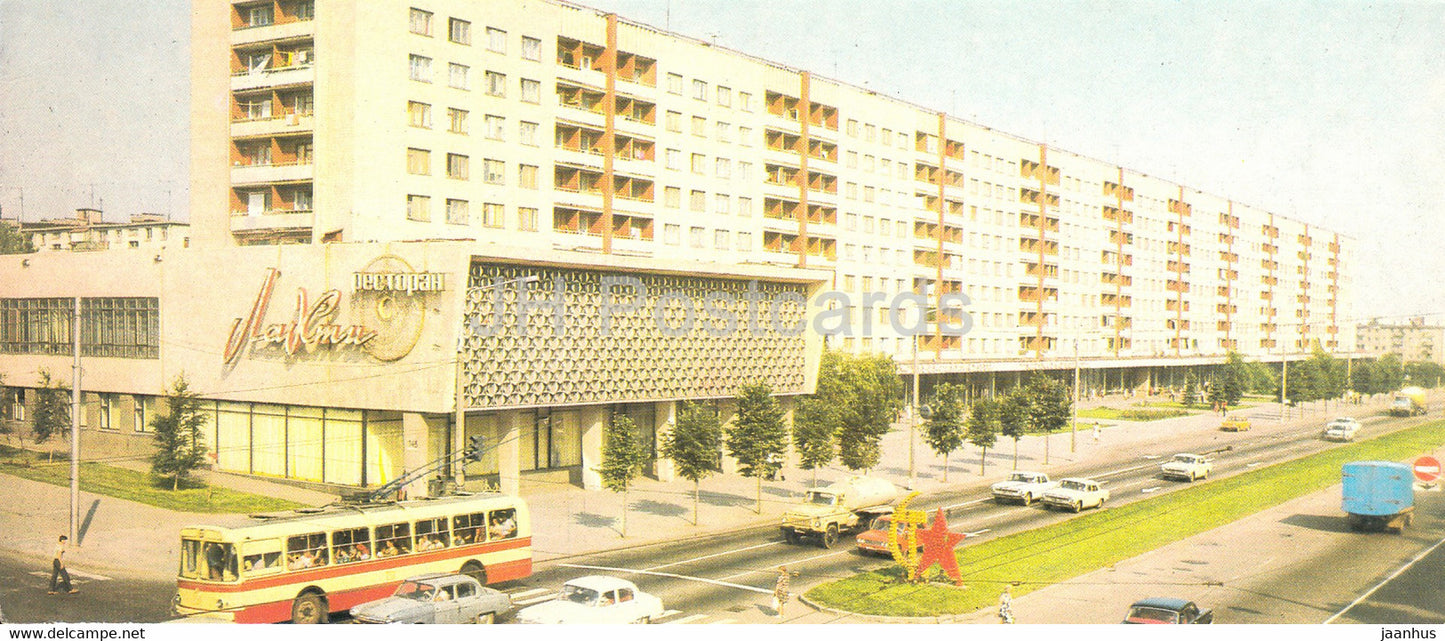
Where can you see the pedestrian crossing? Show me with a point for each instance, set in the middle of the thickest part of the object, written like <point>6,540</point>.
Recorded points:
<point>76,576</point>
<point>523,597</point>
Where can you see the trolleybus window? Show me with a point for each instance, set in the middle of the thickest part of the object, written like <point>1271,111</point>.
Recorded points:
<point>468,528</point>
<point>503,524</point>
<point>393,539</point>
<point>306,551</point>
<point>431,534</point>
<point>261,557</point>
<point>220,561</point>
<point>350,546</point>
<point>190,558</point>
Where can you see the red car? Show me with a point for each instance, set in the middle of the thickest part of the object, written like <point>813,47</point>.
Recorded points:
<point>874,540</point>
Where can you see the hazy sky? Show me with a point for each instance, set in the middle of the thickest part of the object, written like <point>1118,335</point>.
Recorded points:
<point>1330,113</point>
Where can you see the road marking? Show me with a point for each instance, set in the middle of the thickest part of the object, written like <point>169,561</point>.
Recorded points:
<point>540,599</point>
<point>947,508</point>
<point>711,556</point>
<point>1156,488</point>
<point>666,574</point>
<point>1251,464</point>
<point>531,592</point>
<point>976,533</point>
<point>667,613</point>
<point>686,619</point>
<point>1388,579</point>
<point>73,573</point>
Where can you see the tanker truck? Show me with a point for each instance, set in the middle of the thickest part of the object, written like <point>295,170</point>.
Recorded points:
<point>848,505</point>
<point>1408,402</point>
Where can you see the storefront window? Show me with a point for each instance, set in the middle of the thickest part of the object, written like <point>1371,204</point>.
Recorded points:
<point>304,443</point>
<point>268,440</point>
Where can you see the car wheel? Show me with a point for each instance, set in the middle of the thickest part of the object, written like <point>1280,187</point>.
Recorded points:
<point>1192,477</point>
<point>486,618</point>
<point>830,536</point>
<point>1206,475</point>
<point>791,536</point>
<point>309,608</point>
<point>643,620</point>
<point>1028,500</point>
<point>1078,506</point>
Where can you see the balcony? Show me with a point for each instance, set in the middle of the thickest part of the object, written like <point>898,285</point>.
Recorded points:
<point>275,31</point>
<point>272,221</point>
<point>273,77</point>
<point>281,125</point>
<point>260,174</point>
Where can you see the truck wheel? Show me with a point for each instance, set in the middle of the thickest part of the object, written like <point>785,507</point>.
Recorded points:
<point>486,618</point>
<point>830,536</point>
<point>1356,523</point>
<point>791,536</point>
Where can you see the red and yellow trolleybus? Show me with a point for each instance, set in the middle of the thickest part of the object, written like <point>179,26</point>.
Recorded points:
<point>302,567</point>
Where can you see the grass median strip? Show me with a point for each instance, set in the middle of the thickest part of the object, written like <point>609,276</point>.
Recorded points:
<point>136,486</point>
<point>1054,553</point>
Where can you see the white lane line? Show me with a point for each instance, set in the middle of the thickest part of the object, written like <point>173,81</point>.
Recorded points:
<point>1156,488</point>
<point>711,556</point>
<point>1388,579</point>
<point>1251,464</point>
<point>541,599</point>
<point>530,593</point>
<point>948,508</point>
<point>687,619</point>
<point>73,573</point>
<point>976,533</point>
<point>667,613</point>
<point>666,574</point>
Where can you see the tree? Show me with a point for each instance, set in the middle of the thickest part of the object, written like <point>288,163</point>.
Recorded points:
<point>1365,377</point>
<point>1217,398</point>
<point>1013,418</point>
<point>815,426</point>
<point>758,438</point>
<point>1424,373</point>
<point>622,459</point>
<point>983,428</point>
<point>7,397</point>
<point>694,445</point>
<point>52,408</point>
<point>1233,381</point>
<point>12,241</point>
<point>1049,404</point>
<point>1389,373</point>
<point>180,446</point>
<point>869,396</point>
<point>1191,389</point>
<point>944,429</point>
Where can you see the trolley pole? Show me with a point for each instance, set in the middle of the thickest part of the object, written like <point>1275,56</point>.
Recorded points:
<point>75,428</point>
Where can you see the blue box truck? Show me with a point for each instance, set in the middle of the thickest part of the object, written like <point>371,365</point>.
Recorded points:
<point>1378,495</point>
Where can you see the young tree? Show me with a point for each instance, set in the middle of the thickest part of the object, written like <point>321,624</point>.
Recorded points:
<point>622,459</point>
<point>694,445</point>
<point>1191,389</point>
<point>7,397</point>
<point>1013,418</point>
<point>180,446</point>
<point>815,426</point>
<point>944,429</point>
<point>1217,398</point>
<point>758,438</point>
<point>12,241</point>
<point>1049,406</point>
<point>1233,380</point>
<point>983,429</point>
<point>1389,373</point>
<point>1424,373</point>
<point>52,408</point>
<point>869,394</point>
<point>1364,377</point>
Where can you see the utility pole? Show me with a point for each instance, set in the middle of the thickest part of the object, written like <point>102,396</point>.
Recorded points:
<point>75,428</point>
<point>1284,388</point>
<point>1074,435</point>
<point>913,414</point>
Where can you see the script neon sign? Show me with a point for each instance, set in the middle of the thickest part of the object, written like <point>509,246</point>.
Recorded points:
<point>312,325</point>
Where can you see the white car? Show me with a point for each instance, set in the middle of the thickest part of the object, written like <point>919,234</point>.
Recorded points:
<point>1341,429</point>
<point>596,599</point>
<point>1188,467</point>
<point>1076,494</point>
<point>1023,486</point>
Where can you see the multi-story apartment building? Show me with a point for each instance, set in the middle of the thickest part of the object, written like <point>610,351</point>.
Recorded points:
<point>88,231</point>
<point>410,159</point>
<point>1413,341</point>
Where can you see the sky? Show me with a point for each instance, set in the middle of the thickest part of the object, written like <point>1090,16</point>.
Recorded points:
<point>1332,113</point>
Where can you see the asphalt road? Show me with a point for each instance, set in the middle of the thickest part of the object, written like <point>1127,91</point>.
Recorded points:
<point>102,598</point>
<point>1414,595</point>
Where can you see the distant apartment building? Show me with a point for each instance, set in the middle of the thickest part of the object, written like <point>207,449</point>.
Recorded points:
<point>1413,341</point>
<point>88,231</point>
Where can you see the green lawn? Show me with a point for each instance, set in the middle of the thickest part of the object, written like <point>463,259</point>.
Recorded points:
<point>1132,414</point>
<point>1051,554</point>
<point>136,486</point>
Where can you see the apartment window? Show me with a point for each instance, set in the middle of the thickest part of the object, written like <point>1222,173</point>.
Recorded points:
<point>140,413</point>
<point>674,159</point>
<point>418,161</point>
<point>260,16</point>
<point>496,84</point>
<point>699,126</point>
<point>456,211</point>
<point>673,122</point>
<point>418,208</point>
<point>699,90</point>
<point>492,215</point>
<point>531,91</point>
<point>720,239</point>
<point>255,109</point>
<point>496,40</point>
<point>496,127</point>
<point>527,133</point>
<point>459,31</point>
<point>103,411</point>
<point>852,128</point>
<point>672,197</point>
<point>724,132</point>
<point>459,76</point>
<point>531,49</point>
<point>696,237</point>
<point>458,121</point>
<point>745,241</point>
<point>420,68</point>
<point>723,168</point>
<point>745,207</point>
<point>699,164</point>
<point>303,104</point>
<point>870,133</point>
<point>527,176</point>
<point>458,166</point>
<point>697,200</point>
<point>852,159</point>
<point>494,172</point>
<point>674,84</point>
<point>724,96</point>
<point>720,204</point>
<point>745,169</point>
<point>527,218</point>
<point>672,234</point>
<point>420,22</point>
<point>301,199</point>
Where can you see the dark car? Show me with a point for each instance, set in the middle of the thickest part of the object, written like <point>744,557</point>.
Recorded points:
<point>1164,610</point>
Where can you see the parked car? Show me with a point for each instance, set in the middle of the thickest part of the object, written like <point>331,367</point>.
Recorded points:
<point>1023,486</point>
<point>1166,610</point>
<point>1235,424</point>
<point>1188,467</point>
<point>1076,494</point>
<point>436,598</point>
<point>596,599</point>
<point>874,540</point>
<point>1341,429</point>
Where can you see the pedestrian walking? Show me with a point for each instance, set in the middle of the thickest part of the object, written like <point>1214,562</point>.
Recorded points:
<point>59,577</point>
<point>780,591</point>
<point>1006,605</point>
<point>1096,431</point>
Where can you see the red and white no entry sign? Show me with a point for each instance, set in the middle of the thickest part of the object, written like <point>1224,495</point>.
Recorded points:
<point>1427,469</point>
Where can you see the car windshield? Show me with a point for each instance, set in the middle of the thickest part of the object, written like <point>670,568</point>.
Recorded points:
<point>1074,485</point>
<point>1022,477</point>
<point>578,594</point>
<point>415,591</point>
<point>882,523</point>
<point>820,498</point>
<point>1183,458</point>
<point>1142,614</point>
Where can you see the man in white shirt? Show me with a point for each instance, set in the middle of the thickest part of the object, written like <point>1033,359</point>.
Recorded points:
<point>59,578</point>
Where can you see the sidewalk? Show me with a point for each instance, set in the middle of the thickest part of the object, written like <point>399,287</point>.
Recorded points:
<point>567,520</point>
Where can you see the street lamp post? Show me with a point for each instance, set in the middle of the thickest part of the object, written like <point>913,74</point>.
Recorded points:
<point>1074,435</point>
<point>459,438</point>
<point>913,416</point>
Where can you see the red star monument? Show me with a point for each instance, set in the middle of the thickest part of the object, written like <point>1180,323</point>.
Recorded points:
<point>938,545</point>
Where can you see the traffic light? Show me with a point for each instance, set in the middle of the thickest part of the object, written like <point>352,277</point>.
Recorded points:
<point>474,448</point>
